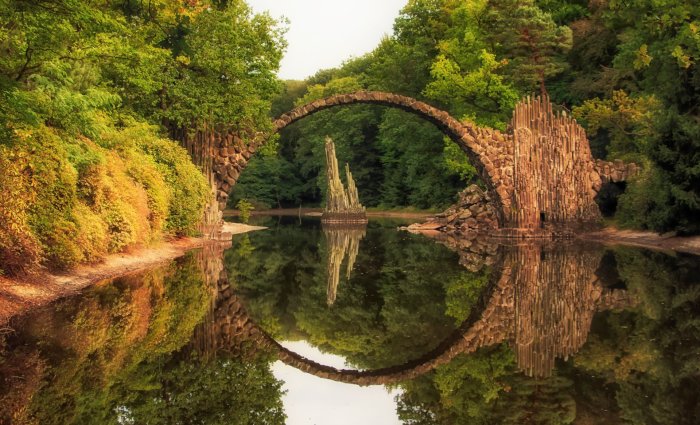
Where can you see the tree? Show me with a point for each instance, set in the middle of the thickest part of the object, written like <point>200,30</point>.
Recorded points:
<point>533,43</point>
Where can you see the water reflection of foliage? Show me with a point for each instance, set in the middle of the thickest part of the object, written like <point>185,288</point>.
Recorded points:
<point>399,302</point>
<point>652,355</point>
<point>114,350</point>
<point>638,367</point>
<point>215,391</point>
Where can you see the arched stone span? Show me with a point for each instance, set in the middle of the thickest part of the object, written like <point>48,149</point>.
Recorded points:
<point>487,149</point>
<point>541,304</point>
<point>541,174</point>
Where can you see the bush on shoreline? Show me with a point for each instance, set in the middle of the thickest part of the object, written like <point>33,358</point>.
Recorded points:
<point>71,200</point>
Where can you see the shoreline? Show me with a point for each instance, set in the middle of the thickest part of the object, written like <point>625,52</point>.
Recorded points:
<point>644,239</point>
<point>18,296</point>
<point>316,212</point>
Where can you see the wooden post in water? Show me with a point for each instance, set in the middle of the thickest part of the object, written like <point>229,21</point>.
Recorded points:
<point>342,205</point>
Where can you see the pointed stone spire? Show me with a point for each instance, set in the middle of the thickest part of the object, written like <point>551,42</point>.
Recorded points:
<point>342,205</point>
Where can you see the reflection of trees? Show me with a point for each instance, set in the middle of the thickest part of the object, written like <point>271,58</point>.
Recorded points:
<point>639,366</point>
<point>117,354</point>
<point>391,309</point>
<point>342,241</point>
<point>651,357</point>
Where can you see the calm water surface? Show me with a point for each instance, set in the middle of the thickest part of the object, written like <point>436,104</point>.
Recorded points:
<point>304,324</point>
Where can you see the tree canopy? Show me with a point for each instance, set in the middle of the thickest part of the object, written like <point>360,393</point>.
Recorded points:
<point>88,90</point>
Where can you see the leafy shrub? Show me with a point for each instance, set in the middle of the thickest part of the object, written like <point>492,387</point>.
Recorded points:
<point>126,210</point>
<point>50,215</point>
<point>189,189</point>
<point>67,199</point>
<point>647,204</point>
<point>19,248</point>
<point>92,236</point>
<point>143,170</point>
<point>59,240</point>
<point>245,208</point>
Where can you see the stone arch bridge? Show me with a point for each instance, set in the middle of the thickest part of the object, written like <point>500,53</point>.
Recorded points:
<point>541,300</point>
<point>540,174</point>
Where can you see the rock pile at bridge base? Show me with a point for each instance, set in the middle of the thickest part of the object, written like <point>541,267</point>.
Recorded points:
<point>473,213</point>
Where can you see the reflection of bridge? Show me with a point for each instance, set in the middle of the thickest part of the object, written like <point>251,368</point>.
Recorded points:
<point>540,173</point>
<point>540,299</point>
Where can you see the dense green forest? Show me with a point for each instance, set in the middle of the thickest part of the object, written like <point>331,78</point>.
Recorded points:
<point>88,90</point>
<point>627,70</point>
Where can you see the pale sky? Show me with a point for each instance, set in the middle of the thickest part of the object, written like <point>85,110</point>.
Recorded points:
<point>324,33</point>
<point>311,400</point>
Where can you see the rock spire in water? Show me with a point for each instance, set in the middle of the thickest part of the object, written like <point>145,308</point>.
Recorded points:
<point>342,205</point>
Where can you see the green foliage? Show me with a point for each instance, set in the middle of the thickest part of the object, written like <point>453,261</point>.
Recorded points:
<point>479,94</point>
<point>244,208</point>
<point>649,50</point>
<point>412,153</point>
<point>225,59</point>
<point>84,89</point>
<point>534,45</point>
<point>269,179</point>
<point>625,124</point>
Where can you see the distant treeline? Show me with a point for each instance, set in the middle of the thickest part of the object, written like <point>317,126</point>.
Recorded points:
<point>627,71</point>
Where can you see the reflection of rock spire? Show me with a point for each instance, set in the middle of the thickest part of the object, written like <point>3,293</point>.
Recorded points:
<point>342,241</point>
<point>556,295</point>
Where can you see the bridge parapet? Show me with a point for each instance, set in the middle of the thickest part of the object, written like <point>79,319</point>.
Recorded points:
<point>615,171</point>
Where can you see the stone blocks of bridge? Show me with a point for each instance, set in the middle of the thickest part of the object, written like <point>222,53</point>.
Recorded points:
<point>230,154</point>
<point>616,171</point>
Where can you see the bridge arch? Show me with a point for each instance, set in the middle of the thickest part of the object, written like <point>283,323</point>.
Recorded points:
<point>488,150</point>
<point>541,176</point>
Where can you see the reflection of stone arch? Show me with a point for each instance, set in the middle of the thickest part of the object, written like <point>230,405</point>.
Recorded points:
<point>513,307</point>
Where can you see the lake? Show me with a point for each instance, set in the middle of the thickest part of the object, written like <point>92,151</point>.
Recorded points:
<point>311,324</point>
